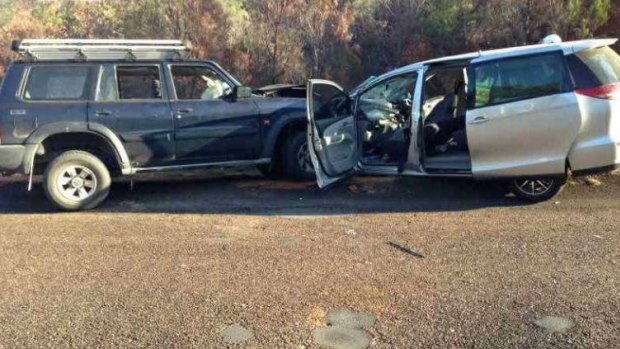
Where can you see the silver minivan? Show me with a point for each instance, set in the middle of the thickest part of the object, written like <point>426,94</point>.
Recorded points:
<point>528,115</point>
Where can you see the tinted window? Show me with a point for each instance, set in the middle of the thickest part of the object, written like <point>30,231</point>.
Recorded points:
<point>330,103</point>
<point>519,78</point>
<point>57,83</point>
<point>595,67</point>
<point>198,83</point>
<point>138,82</point>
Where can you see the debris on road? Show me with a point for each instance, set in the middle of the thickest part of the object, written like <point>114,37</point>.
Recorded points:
<point>593,181</point>
<point>351,232</point>
<point>405,249</point>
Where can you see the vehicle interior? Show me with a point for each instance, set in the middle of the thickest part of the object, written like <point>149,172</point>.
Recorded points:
<point>384,121</point>
<point>444,111</point>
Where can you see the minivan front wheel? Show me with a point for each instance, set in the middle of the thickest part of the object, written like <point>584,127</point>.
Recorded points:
<point>538,189</point>
<point>76,180</point>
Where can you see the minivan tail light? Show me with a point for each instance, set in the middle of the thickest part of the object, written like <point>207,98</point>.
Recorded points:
<point>610,91</point>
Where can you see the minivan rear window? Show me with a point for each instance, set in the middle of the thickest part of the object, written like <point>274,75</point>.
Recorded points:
<point>595,67</point>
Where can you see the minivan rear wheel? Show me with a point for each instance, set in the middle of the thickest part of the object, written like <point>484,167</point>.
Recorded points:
<point>538,189</point>
<point>76,180</point>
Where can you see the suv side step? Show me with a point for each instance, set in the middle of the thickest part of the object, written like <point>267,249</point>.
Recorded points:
<point>199,166</point>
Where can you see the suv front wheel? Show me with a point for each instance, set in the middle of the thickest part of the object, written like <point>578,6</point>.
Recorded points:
<point>76,180</point>
<point>296,160</point>
<point>538,189</point>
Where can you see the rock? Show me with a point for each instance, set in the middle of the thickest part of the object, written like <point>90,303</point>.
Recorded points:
<point>237,334</point>
<point>338,337</point>
<point>553,324</point>
<point>347,318</point>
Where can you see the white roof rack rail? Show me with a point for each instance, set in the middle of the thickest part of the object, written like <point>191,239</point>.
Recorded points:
<point>96,49</point>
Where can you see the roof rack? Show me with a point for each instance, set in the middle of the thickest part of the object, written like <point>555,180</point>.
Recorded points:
<point>90,49</point>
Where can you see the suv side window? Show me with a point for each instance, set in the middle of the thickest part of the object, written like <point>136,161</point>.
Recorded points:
<point>137,82</point>
<point>107,89</point>
<point>55,83</point>
<point>193,82</point>
<point>515,79</point>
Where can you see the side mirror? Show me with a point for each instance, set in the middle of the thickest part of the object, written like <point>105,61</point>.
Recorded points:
<point>241,92</point>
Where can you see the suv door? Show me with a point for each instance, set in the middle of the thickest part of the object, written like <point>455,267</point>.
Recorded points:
<point>332,134</point>
<point>210,125</point>
<point>522,116</point>
<point>131,102</point>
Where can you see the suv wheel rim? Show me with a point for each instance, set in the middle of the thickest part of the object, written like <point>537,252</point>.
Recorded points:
<point>303,158</point>
<point>76,183</point>
<point>534,187</point>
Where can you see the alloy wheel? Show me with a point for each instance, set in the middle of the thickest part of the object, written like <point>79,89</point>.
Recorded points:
<point>534,187</point>
<point>303,158</point>
<point>77,183</point>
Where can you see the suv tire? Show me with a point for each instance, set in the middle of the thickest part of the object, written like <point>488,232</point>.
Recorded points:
<point>295,157</point>
<point>537,189</point>
<point>76,180</point>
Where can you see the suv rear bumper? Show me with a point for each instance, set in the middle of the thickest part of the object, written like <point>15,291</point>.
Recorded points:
<point>12,158</point>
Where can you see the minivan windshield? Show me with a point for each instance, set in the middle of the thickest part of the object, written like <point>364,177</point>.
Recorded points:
<point>604,62</point>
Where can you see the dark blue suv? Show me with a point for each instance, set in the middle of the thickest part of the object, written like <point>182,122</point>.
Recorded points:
<point>82,112</point>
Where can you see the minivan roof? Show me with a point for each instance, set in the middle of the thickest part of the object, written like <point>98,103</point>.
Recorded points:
<point>481,56</point>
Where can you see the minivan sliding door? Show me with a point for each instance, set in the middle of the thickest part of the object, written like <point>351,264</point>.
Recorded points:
<point>522,116</point>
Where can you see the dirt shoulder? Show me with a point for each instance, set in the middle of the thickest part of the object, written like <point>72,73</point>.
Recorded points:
<point>437,263</point>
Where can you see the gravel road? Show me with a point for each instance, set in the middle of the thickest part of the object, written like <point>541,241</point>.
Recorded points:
<point>206,261</point>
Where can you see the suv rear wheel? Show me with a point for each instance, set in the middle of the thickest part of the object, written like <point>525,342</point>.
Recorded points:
<point>295,156</point>
<point>538,189</point>
<point>76,180</point>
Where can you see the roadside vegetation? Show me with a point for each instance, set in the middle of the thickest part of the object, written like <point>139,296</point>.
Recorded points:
<point>272,41</point>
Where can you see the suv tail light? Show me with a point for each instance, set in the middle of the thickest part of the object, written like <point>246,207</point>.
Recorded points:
<point>610,91</point>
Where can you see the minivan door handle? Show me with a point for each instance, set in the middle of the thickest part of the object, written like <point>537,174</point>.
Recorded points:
<point>479,120</point>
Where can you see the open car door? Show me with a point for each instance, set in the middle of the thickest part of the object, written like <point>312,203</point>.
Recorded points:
<point>332,135</point>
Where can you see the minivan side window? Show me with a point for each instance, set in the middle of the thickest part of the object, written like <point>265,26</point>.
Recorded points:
<point>139,82</point>
<point>54,83</point>
<point>515,79</point>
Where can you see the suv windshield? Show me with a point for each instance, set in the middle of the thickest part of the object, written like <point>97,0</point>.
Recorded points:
<point>604,62</point>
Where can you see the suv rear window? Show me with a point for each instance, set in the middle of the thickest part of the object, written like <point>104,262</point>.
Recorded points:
<point>47,83</point>
<point>516,79</point>
<point>595,67</point>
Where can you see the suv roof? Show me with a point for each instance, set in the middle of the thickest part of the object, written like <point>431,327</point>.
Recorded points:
<point>100,50</point>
